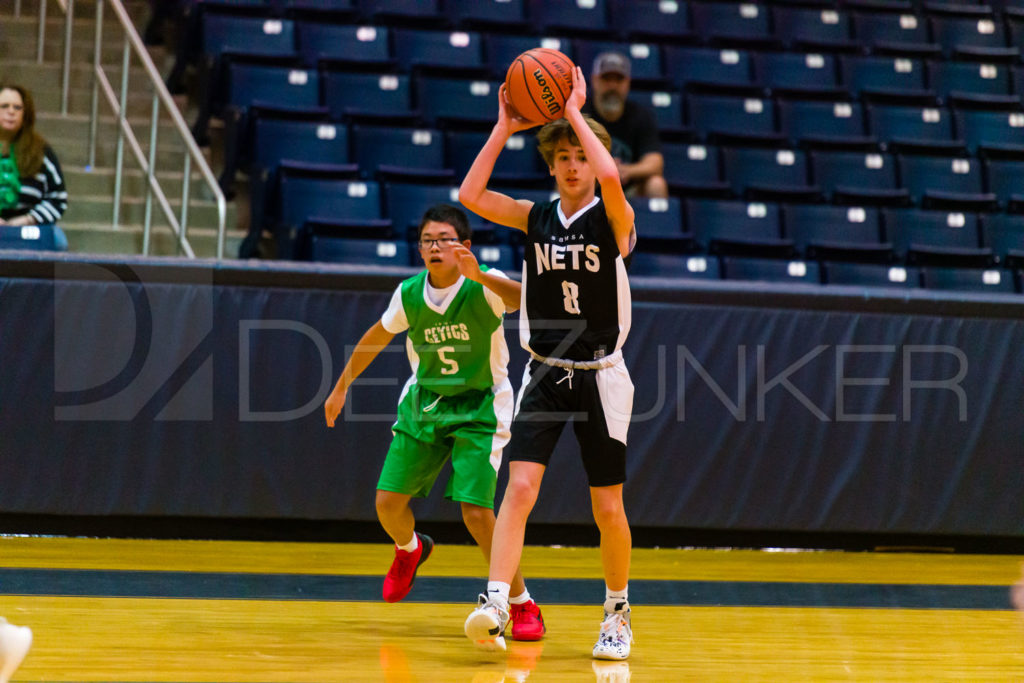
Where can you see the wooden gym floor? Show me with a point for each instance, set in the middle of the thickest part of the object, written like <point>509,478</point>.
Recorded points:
<point>214,611</point>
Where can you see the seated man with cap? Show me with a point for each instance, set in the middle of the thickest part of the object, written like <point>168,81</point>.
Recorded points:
<point>633,127</point>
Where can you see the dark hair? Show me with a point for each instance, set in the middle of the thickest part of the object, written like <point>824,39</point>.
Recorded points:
<point>551,134</point>
<point>28,146</point>
<point>452,215</point>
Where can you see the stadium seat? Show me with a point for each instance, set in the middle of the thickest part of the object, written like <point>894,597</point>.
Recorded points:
<point>370,45</point>
<point>264,36</point>
<point>877,73</point>
<point>871,28</point>
<point>570,16</point>
<point>813,119</point>
<point>970,279</point>
<point>955,26</point>
<point>841,232</point>
<point>980,78</point>
<point>650,19</point>
<point>500,50</point>
<point>450,49</point>
<point>723,67</point>
<point>349,92</point>
<point>822,25</point>
<point>724,226</point>
<point>518,161</point>
<point>420,13</point>
<point>497,14</point>
<point>457,99</point>
<point>832,170</point>
<point>734,22</point>
<point>980,128</point>
<point>921,236</point>
<point>870,274</point>
<point>32,238</point>
<point>302,199</point>
<point>644,58</point>
<point>406,202</point>
<point>693,168</point>
<point>501,256</point>
<point>276,140</point>
<point>711,114</point>
<point>659,218</point>
<point>747,166</point>
<point>1002,176</point>
<point>361,252</point>
<point>1004,235</point>
<point>333,9</point>
<point>410,148</point>
<point>667,106</point>
<point>771,270</point>
<point>919,174</point>
<point>892,122</point>
<point>697,266</point>
<point>796,71</point>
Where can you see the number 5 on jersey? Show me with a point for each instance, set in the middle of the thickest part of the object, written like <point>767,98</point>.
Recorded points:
<point>451,366</point>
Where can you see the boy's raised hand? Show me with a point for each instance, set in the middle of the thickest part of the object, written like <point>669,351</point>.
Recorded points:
<point>466,262</point>
<point>578,96</point>
<point>508,117</point>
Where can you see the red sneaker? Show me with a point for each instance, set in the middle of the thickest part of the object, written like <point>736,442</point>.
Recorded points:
<point>527,622</point>
<point>398,582</point>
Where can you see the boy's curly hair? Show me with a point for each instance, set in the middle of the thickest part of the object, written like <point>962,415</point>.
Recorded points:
<point>551,134</point>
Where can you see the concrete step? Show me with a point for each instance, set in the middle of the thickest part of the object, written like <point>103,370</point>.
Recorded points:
<point>76,126</point>
<point>48,74</point>
<point>100,181</point>
<point>138,9</point>
<point>98,210</point>
<point>92,239</point>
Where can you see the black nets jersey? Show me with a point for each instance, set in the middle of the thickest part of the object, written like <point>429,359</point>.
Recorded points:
<point>575,300</point>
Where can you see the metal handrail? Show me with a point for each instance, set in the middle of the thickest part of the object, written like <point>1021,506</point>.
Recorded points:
<point>118,103</point>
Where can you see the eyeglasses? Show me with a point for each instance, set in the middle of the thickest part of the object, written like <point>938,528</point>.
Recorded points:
<point>441,242</point>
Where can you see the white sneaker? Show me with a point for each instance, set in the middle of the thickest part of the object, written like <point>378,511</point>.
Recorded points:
<point>15,642</point>
<point>485,625</point>
<point>616,636</point>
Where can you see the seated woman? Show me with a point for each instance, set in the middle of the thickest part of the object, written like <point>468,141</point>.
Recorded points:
<point>32,188</point>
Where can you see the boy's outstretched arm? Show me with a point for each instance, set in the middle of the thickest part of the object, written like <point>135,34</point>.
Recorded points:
<point>620,213</point>
<point>375,339</point>
<point>474,195</point>
<point>509,290</point>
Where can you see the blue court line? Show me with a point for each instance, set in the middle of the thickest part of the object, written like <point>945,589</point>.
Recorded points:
<point>245,586</point>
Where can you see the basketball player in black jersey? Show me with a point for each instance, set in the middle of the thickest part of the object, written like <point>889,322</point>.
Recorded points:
<point>574,319</point>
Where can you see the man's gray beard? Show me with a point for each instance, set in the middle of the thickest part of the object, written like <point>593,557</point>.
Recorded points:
<point>610,105</point>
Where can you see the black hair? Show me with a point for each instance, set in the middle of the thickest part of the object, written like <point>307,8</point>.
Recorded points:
<point>452,215</point>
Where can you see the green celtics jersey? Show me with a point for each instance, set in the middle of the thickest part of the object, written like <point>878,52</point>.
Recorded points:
<point>456,345</point>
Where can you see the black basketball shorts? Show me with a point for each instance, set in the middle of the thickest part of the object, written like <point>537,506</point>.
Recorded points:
<point>598,402</point>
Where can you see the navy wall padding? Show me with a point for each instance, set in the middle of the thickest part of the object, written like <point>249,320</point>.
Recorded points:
<point>171,388</point>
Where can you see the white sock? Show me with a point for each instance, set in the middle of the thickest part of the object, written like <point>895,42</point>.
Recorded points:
<point>616,601</point>
<point>411,545</point>
<point>520,599</point>
<point>498,589</point>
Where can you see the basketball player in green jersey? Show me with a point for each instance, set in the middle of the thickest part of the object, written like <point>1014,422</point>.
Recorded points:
<point>458,402</point>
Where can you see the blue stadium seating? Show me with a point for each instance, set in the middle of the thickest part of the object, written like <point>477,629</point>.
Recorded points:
<point>452,49</point>
<point>946,174</point>
<point>501,256</point>
<point>851,232</point>
<point>735,226</point>
<point>871,274</point>
<point>746,166</point>
<point>345,43</point>
<point>747,22</point>
<point>692,168</point>
<point>927,236</point>
<point>348,92</point>
<point>686,65</point>
<point>796,70</point>
<point>416,12</point>
<point>956,26</point>
<point>694,266</point>
<point>644,58</point>
<point>877,73</point>
<point>803,119</point>
<point>518,161</point>
<point>894,122</point>
<point>264,36</point>
<point>643,19</point>
<point>667,106</point>
<point>771,270</point>
<point>500,14</point>
<point>500,50</point>
<point>461,99</point>
<point>659,218</point>
<point>980,78</point>
<point>887,26</point>
<point>832,170</point>
<point>990,128</point>
<point>727,114</point>
<point>302,199</point>
<point>409,148</point>
<point>1004,235</point>
<point>1002,176</point>
<point>360,251</point>
<point>571,16</point>
<point>821,25</point>
<point>406,202</point>
<point>970,279</point>
<point>32,238</point>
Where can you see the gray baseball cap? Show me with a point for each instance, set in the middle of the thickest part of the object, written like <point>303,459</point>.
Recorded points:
<point>611,62</point>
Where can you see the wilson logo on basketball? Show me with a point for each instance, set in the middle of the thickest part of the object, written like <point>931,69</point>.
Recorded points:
<point>546,95</point>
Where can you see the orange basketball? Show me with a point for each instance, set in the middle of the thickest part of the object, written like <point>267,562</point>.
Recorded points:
<point>538,83</point>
